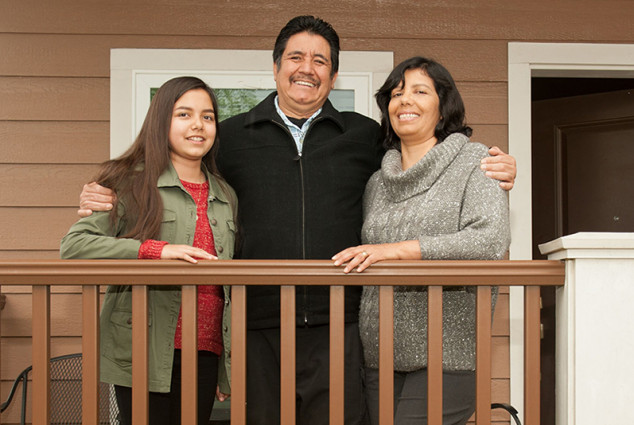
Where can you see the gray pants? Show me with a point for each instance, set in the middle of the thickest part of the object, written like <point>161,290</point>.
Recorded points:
<point>410,397</point>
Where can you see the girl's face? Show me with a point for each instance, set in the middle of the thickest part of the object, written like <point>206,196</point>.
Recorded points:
<point>193,128</point>
<point>414,108</point>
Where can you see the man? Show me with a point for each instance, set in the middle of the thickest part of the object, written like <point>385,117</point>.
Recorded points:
<point>299,168</point>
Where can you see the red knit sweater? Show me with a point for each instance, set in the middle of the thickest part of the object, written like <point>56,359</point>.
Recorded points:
<point>210,297</point>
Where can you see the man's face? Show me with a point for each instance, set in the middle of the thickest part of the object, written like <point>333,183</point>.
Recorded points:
<point>303,78</point>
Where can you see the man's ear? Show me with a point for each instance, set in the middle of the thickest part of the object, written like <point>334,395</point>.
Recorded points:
<point>334,78</point>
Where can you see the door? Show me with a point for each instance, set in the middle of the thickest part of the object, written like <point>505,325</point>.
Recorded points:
<point>583,181</point>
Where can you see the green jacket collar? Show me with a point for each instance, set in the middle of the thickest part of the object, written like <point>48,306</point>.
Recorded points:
<point>169,178</point>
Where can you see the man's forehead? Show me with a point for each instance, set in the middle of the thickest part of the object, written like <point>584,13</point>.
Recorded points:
<point>307,43</point>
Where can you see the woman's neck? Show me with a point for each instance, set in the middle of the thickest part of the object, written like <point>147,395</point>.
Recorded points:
<point>411,153</point>
<point>190,171</point>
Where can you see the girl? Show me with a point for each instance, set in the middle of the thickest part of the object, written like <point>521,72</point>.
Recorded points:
<point>169,168</point>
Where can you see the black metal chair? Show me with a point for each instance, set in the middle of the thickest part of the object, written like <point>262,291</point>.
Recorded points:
<point>66,393</point>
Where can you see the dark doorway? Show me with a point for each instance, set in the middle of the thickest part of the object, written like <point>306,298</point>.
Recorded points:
<point>582,177</point>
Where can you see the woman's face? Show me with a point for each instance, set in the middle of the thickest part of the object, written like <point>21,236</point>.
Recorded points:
<point>193,128</point>
<point>414,108</point>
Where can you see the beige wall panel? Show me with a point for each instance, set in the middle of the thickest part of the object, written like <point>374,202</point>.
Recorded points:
<point>35,228</point>
<point>66,315</point>
<point>490,135</point>
<point>481,19</point>
<point>56,142</point>
<point>501,317</point>
<point>500,355</point>
<point>16,353</point>
<point>500,391</point>
<point>63,99</point>
<point>28,254</point>
<point>467,60</point>
<point>55,55</point>
<point>49,185</point>
<point>485,103</point>
<point>55,289</point>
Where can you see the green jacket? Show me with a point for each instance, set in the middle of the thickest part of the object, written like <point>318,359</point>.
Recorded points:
<point>94,238</point>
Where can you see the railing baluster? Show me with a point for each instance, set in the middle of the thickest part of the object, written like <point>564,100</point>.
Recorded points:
<point>337,353</point>
<point>240,274</point>
<point>434,356</point>
<point>483,355</point>
<point>189,355</point>
<point>532,366</point>
<point>287,355</point>
<point>41,411</point>
<point>238,354</point>
<point>90,355</point>
<point>140,395</point>
<point>386,355</point>
<point>1,307</point>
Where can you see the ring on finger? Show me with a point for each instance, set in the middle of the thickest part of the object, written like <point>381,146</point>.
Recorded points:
<point>365,254</point>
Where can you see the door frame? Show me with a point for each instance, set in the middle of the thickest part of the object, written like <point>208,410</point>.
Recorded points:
<point>527,60</point>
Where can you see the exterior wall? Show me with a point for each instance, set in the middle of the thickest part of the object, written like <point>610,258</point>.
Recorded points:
<point>54,91</point>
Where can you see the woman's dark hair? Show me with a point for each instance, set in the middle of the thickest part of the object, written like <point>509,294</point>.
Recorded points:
<point>134,174</point>
<point>311,25</point>
<point>451,107</point>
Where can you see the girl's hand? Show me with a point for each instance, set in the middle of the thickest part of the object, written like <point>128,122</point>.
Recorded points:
<point>185,252</point>
<point>220,395</point>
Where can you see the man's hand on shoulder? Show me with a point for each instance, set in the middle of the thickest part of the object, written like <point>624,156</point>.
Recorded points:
<point>500,166</point>
<point>95,198</point>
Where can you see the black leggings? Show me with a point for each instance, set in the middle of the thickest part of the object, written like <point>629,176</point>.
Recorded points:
<point>165,408</point>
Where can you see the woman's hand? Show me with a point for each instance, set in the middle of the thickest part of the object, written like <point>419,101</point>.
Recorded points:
<point>363,256</point>
<point>185,252</point>
<point>95,198</point>
<point>220,395</point>
<point>500,166</point>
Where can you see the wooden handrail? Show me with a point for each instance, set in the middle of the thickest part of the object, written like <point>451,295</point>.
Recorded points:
<point>42,274</point>
<point>279,272</point>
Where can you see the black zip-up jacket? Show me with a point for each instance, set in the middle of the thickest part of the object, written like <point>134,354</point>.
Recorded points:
<point>295,206</point>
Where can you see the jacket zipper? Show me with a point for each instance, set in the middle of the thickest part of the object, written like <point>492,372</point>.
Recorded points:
<point>301,175</point>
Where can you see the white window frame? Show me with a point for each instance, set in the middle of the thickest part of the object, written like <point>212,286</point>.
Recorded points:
<point>134,71</point>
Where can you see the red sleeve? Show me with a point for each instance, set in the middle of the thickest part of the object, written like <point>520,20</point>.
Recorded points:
<point>151,250</point>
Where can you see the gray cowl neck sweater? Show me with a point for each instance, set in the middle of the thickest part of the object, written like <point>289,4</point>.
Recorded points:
<point>455,212</point>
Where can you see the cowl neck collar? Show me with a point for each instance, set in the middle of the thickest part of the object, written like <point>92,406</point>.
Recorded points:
<point>401,185</point>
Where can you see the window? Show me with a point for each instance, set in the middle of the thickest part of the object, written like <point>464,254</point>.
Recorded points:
<point>240,78</point>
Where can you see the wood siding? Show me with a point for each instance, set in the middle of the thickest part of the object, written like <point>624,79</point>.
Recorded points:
<point>55,90</point>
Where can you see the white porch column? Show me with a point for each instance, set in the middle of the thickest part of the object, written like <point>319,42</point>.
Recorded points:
<point>595,328</point>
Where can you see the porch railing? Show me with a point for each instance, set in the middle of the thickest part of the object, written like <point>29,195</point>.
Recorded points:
<point>240,274</point>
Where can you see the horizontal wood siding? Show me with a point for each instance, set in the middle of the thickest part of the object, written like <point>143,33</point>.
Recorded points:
<point>55,99</point>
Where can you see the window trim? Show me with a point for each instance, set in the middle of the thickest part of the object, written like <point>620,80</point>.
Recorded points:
<point>134,71</point>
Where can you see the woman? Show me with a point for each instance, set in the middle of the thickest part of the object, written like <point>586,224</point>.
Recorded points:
<point>430,200</point>
<point>171,204</point>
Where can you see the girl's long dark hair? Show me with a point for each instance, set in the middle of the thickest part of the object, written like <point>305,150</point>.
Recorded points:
<point>134,174</point>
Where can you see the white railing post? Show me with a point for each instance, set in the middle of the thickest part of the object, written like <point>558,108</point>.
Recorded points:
<point>595,347</point>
